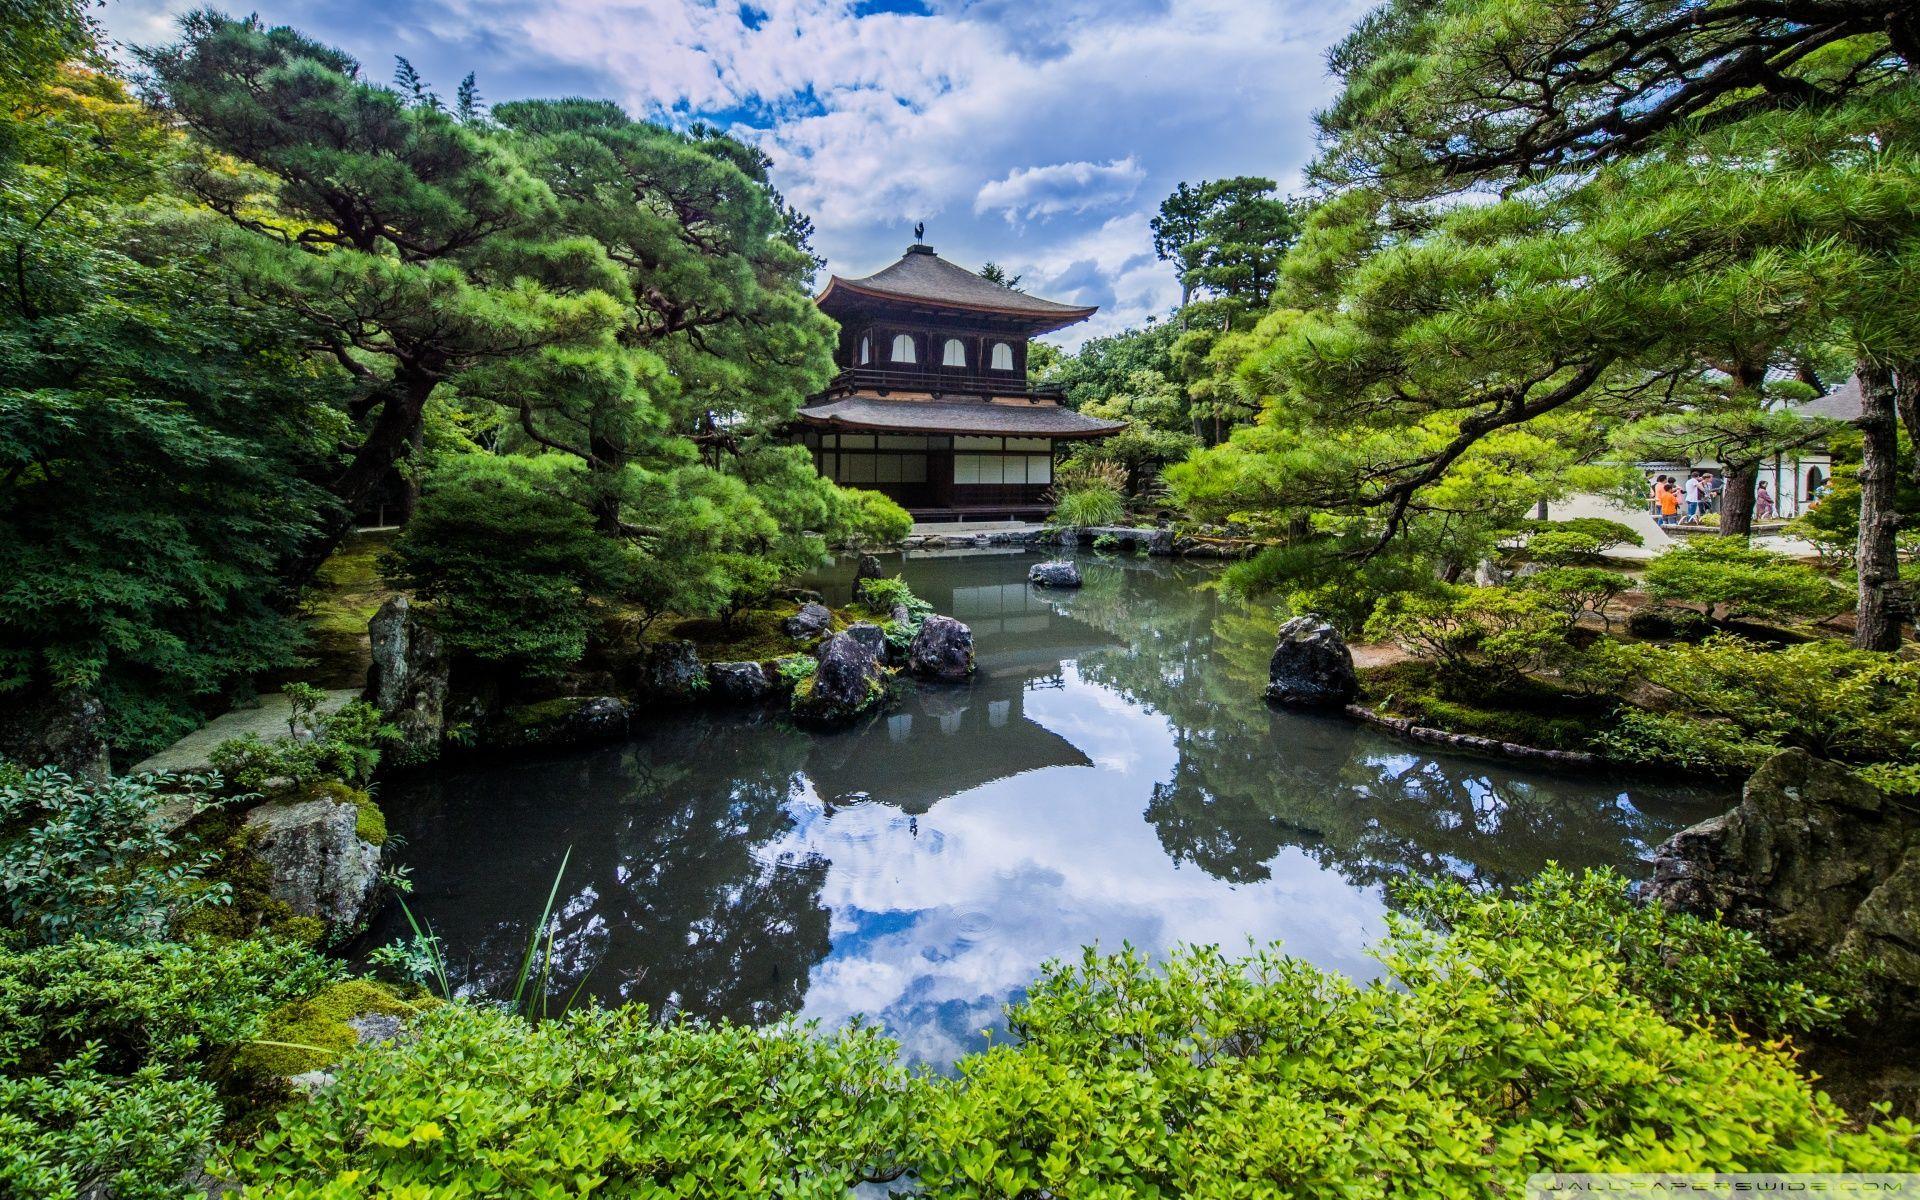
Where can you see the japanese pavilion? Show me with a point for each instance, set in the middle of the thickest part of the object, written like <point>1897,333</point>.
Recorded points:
<point>932,404</point>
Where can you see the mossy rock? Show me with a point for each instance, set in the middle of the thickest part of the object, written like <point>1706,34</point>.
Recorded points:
<point>310,1034</point>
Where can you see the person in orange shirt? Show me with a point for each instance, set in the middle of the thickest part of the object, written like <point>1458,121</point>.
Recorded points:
<point>1669,498</point>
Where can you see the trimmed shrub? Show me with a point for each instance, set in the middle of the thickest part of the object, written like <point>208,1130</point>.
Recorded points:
<point>1491,1052</point>
<point>481,1103</point>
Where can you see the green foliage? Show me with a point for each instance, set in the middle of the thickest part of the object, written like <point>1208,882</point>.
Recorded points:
<point>110,1056</point>
<point>343,747</point>
<point>796,669</point>
<point>94,860</point>
<point>1576,591</point>
<point>1605,533</point>
<point>1466,630</point>
<point>869,518</point>
<point>154,438</point>
<point>1735,577</point>
<point>1688,968</point>
<point>1087,505</point>
<point>1737,703</point>
<point>505,560</point>
<point>1487,1054</point>
<point>1103,365</point>
<point>879,596</point>
<point>478,1103</point>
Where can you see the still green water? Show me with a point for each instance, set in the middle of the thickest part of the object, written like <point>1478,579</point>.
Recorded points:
<point>1111,776</point>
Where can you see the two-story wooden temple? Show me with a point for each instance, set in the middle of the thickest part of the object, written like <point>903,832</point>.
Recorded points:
<point>932,404</point>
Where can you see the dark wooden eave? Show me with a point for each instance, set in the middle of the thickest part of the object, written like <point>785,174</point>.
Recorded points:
<point>865,414</point>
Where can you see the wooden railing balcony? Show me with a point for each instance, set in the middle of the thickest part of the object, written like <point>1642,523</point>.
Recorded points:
<point>941,381</point>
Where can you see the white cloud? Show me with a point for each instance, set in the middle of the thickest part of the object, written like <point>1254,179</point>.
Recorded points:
<point>1029,192</point>
<point>1072,118</point>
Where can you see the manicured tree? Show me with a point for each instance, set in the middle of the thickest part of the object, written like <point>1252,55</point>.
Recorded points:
<point>152,438</point>
<point>1444,98</point>
<point>410,247</point>
<point>723,339</point>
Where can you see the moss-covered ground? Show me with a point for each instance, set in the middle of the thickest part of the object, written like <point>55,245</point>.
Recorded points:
<point>1529,712</point>
<point>347,590</point>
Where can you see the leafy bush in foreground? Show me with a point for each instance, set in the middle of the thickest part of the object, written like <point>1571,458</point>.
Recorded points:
<point>1490,1053</point>
<point>92,860</point>
<point>1557,1027</point>
<point>109,1055</point>
<point>481,1103</point>
<point>1687,968</point>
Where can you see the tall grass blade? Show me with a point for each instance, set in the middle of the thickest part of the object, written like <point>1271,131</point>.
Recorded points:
<point>522,1003</point>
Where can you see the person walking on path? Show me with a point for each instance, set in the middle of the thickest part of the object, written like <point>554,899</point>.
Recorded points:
<point>1693,495</point>
<point>1669,500</point>
<point>1763,503</point>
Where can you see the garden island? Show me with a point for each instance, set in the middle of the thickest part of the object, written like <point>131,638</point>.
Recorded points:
<point>512,688</point>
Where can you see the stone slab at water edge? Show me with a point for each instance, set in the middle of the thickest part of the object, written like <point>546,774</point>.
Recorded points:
<point>1311,666</point>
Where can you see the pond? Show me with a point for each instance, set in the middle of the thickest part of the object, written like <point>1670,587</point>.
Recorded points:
<point>1111,776</point>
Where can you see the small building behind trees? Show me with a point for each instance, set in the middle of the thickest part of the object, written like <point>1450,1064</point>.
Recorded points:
<point>932,404</point>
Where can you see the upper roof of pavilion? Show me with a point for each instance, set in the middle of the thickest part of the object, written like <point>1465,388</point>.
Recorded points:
<point>924,281</point>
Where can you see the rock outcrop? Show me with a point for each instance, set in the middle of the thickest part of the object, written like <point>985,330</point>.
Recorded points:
<point>317,862</point>
<point>1057,573</point>
<point>1311,666</point>
<point>65,730</point>
<point>408,681</point>
<point>868,568</point>
<point>739,682</point>
<point>667,674</point>
<point>942,650</point>
<point>845,684</point>
<point>812,621</point>
<point>566,721</point>
<point>871,636</point>
<point>1815,861</point>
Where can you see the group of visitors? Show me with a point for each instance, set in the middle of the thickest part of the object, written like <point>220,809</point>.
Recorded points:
<point>1700,494</point>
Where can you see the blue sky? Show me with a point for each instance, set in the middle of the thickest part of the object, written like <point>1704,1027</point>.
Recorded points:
<point>1041,134</point>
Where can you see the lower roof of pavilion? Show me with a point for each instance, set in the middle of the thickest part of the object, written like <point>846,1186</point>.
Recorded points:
<point>865,414</point>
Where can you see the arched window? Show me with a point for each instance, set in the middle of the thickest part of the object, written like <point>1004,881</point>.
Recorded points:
<point>1002,357</point>
<point>866,349</point>
<point>953,354</point>
<point>903,348</point>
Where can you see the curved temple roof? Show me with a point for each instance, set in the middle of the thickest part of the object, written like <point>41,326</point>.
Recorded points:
<point>938,416</point>
<point>924,278</point>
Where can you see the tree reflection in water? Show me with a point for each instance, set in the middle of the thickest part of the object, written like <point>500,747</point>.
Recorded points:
<point>1111,775</point>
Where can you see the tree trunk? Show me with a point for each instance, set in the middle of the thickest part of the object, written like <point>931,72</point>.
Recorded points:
<point>1906,396</point>
<point>605,471</point>
<point>390,439</point>
<point>1736,498</point>
<point>1877,619</point>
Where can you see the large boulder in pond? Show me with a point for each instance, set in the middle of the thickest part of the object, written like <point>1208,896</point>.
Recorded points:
<point>739,682</point>
<point>1815,861</point>
<point>317,862</point>
<point>812,621</point>
<point>845,684</point>
<point>942,650</point>
<point>65,729</point>
<point>1058,573</point>
<point>1311,666</point>
<point>407,681</point>
<point>667,674</point>
<point>871,636</point>
<point>868,568</point>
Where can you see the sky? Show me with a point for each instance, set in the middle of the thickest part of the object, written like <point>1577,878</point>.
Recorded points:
<point>1039,134</point>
